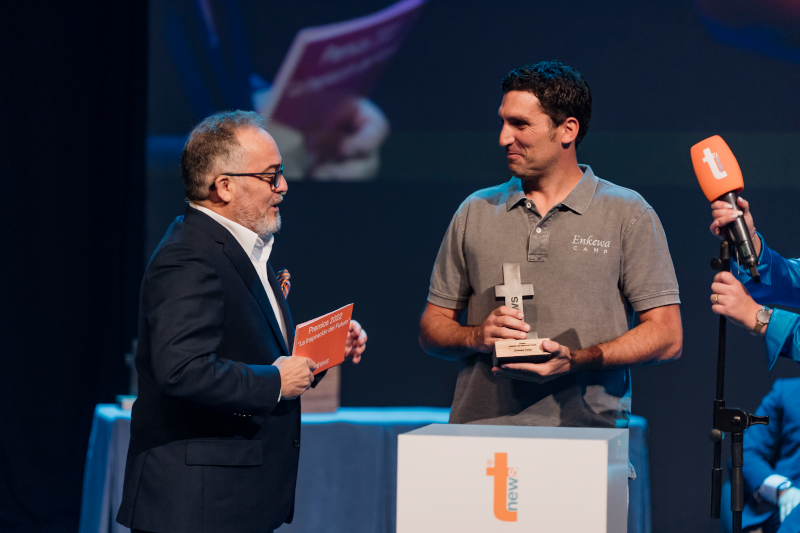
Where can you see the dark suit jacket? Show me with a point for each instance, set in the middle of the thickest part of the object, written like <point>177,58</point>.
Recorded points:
<point>212,449</point>
<point>773,449</point>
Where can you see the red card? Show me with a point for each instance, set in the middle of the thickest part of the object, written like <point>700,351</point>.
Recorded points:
<point>323,339</point>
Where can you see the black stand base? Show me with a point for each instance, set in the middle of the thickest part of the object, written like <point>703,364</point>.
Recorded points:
<point>735,422</point>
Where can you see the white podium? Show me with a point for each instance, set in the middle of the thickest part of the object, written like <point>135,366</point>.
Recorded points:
<point>470,478</point>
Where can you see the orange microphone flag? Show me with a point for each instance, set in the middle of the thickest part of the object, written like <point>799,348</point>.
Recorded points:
<point>716,168</point>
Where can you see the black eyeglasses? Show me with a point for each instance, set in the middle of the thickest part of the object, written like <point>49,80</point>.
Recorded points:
<point>272,178</point>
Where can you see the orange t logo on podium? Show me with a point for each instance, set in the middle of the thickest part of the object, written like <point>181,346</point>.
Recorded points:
<point>505,487</point>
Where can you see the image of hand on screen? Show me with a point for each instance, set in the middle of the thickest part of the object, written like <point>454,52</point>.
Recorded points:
<point>349,151</point>
<point>209,56</point>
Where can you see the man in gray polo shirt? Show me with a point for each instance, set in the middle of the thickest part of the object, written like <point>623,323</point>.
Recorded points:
<point>595,253</point>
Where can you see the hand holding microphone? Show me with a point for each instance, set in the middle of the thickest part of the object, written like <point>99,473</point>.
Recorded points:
<point>724,214</point>
<point>730,298</point>
<point>721,180</point>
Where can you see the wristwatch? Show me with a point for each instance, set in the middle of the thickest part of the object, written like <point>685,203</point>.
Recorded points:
<point>786,485</point>
<point>762,319</point>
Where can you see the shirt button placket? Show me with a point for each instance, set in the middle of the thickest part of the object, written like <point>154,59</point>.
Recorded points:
<point>535,244</point>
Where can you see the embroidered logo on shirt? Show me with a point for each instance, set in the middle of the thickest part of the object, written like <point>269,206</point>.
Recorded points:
<point>590,244</point>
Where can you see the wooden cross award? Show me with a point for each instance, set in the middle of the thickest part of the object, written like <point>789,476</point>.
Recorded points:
<point>517,350</point>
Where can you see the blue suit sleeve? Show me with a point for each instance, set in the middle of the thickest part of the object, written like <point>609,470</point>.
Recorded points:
<point>185,311</point>
<point>783,336</point>
<point>780,278</point>
<point>761,443</point>
<point>780,284</point>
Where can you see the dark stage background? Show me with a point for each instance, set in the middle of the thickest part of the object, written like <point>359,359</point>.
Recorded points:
<point>88,198</point>
<point>72,126</point>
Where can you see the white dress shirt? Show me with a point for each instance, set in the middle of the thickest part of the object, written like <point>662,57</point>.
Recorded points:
<point>258,251</point>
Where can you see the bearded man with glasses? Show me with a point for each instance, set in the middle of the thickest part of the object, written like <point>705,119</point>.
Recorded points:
<point>215,431</point>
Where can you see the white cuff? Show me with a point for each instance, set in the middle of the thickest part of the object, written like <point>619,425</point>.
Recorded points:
<point>769,489</point>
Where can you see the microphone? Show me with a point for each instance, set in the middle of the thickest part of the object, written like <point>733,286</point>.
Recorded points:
<point>721,179</point>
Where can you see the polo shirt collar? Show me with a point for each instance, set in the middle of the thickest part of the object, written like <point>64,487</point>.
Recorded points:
<point>577,200</point>
<point>581,195</point>
<point>515,193</point>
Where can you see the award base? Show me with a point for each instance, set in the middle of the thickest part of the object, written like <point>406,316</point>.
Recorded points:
<point>520,351</point>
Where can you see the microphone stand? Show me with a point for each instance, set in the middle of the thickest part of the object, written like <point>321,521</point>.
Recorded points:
<point>733,421</point>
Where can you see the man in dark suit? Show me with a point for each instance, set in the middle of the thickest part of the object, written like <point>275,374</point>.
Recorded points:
<point>772,463</point>
<point>215,431</point>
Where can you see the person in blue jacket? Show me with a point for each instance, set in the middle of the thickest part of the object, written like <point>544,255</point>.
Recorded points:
<point>736,296</point>
<point>772,453</point>
<point>772,461</point>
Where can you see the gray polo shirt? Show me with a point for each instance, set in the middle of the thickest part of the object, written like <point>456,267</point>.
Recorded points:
<point>593,260</point>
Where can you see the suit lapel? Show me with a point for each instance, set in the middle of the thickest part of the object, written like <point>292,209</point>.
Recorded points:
<point>242,263</point>
<point>282,303</point>
<point>233,250</point>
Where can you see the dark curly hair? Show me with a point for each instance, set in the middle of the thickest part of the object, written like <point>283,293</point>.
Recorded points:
<point>561,90</point>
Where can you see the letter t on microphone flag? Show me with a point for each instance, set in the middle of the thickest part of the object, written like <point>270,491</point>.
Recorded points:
<point>716,168</point>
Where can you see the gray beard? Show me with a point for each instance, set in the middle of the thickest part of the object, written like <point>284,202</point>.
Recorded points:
<point>266,226</point>
<point>257,221</point>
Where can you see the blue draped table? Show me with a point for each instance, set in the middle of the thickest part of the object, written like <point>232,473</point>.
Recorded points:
<point>352,490</point>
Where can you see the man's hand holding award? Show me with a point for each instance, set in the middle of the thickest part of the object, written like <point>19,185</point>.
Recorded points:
<point>518,352</point>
